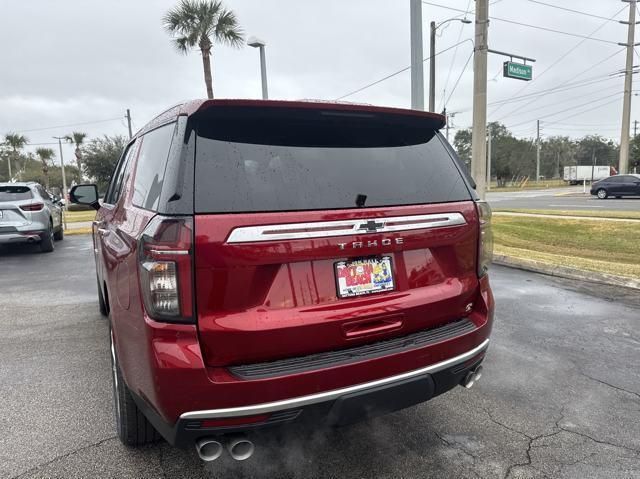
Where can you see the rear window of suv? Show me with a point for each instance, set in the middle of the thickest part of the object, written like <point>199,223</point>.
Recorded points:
<point>15,193</point>
<point>328,163</point>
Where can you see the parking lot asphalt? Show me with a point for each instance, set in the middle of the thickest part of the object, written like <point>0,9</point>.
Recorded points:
<point>548,200</point>
<point>559,398</point>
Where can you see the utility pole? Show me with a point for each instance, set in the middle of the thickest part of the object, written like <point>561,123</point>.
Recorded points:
<point>635,128</point>
<point>64,179</point>
<point>626,105</point>
<point>417,60</point>
<point>432,68</point>
<point>488,158</point>
<point>478,139</point>
<point>446,122</point>
<point>538,152</point>
<point>128,117</point>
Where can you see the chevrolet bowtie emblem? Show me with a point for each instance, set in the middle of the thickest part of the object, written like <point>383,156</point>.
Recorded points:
<point>371,226</point>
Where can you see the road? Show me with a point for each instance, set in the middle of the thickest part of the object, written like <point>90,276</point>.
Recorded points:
<point>548,200</point>
<point>560,396</point>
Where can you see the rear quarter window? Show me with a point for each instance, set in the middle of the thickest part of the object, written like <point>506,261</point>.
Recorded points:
<point>15,193</point>
<point>151,165</point>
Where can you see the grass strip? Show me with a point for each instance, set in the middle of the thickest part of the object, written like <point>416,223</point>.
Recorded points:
<point>603,247</point>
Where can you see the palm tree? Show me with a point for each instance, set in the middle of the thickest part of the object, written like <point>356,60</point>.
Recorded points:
<point>45,154</point>
<point>16,143</point>
<point>202,23</point>
<point>77,138</point>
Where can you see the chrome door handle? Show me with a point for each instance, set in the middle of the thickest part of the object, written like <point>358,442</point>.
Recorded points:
<point>104,231</point>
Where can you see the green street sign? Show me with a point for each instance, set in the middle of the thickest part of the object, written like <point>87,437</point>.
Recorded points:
<point>517,71</point>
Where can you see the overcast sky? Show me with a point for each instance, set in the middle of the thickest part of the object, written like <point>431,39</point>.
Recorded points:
<point>74,61</point>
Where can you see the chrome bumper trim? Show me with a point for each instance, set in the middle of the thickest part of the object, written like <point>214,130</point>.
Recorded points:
<point>327,229</point>
<point>329,395</point>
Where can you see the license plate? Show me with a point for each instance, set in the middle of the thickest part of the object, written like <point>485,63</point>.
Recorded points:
<point>364,276</point>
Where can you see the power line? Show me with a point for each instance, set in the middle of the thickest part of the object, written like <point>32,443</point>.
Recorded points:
<point>572,10</point>
<point>399,71</point>
<point>587,110</point>
<point>443,103</point>
<point>568,109</point>
<point>538,27</point>
<point>68,125</point>
<point>541,93</point>
<point>455,85</point>
<point>558,60</point>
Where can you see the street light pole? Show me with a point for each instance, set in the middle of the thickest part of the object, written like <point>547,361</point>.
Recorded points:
<point>623,167</point>
<point>64,179</point>
<point>478,140</point>
<point>257,43</point>
<point>432,59</point>
<point>432,68</point>
<point>417,61</point>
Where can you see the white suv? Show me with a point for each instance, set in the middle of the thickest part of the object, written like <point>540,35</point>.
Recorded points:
<point>28,214</point>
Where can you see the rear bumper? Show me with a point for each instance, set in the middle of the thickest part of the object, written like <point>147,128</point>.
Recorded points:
<point>18,237</point>
<point>185,399</point>
<point>329,408</point>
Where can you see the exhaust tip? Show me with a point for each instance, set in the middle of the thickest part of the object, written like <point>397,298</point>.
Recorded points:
<point>240,448</point>
<point>208,449</point>
<point>472,377</point>
<point>469,380</point>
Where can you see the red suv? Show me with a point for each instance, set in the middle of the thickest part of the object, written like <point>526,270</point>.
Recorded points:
<point>263,262</point>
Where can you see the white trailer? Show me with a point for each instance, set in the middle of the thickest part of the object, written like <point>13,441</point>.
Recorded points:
<point>578,174</point>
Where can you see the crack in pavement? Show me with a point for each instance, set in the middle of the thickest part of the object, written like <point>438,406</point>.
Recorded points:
<point>65,455</point>
<point>458,447</point>
<point>633,393</point>
<point>558,429</point>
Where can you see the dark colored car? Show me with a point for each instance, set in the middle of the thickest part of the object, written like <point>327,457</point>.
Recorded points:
<point>617,186</point>
<point>269,262</point>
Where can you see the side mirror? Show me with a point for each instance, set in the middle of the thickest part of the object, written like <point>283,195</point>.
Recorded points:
<point>85,195</point>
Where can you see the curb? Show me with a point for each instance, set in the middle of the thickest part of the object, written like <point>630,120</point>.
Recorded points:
<point>563,217</point>
<point>564,272</point>
<point>78,231</point>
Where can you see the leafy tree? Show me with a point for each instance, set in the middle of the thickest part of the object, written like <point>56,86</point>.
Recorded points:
<point>45,155</point>
<point>634,156</point>
<point>462,144</point>
<point>77,138</point>
<point>16,143</point>
<point>201,23</point>
<point>596,148</point>
<point>33,172</point>
<point>100,156</point>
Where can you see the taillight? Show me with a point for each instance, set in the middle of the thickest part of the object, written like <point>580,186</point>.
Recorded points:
<point>485,246</point>
<point>166,277</point>
<point>32,207</point>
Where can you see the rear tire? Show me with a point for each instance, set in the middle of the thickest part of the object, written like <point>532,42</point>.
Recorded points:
<point>46,240</point>
<point>602,194</point>
<point>134,429</point>
<point>59,234</point>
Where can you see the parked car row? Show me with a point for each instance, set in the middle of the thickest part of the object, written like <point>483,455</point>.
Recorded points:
<point>29,214</point>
